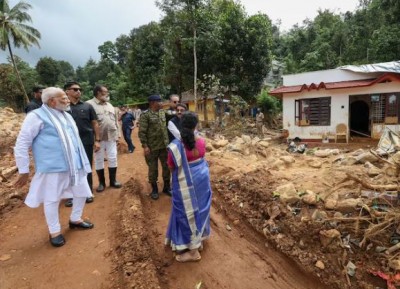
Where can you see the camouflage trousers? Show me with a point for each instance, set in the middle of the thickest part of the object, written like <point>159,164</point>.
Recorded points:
<point>152,163</point>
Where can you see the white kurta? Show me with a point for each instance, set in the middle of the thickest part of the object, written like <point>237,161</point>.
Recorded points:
<point>45,186</point>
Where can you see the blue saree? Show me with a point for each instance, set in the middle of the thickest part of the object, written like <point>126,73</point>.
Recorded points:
<point>189,222</point>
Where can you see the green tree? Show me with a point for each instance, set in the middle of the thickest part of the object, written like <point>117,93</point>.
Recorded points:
<point>48,70</point>
<point>108,51</point>
<point>13,27</point>
<point>146,67</point>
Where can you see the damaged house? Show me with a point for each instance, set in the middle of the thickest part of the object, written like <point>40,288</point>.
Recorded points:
<point>346,101</point>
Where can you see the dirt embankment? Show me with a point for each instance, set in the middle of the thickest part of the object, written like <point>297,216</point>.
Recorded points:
<point>314,208</point>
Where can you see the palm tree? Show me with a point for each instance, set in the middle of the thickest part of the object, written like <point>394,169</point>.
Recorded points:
<point>12,27</point>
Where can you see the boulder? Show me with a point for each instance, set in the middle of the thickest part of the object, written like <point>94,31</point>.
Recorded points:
<point>287,159</point>
<point>220,143</point>
<point>322,153</point>
<point>287,193</point>
<point>310,198</point>
<point>328,236</point>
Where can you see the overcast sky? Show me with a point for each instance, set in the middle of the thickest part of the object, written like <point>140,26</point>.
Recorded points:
<point>72,30</point>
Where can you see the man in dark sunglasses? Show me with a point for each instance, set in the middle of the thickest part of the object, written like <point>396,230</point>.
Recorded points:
<point>86,120</point>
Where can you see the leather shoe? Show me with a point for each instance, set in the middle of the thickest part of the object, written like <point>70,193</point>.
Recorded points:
<point>100,188</point>
<point>57,241</point>
<point>89,200</point>
<point>68,203</point>
<point>81,225</point>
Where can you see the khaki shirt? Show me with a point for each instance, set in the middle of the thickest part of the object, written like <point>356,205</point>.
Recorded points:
<point>108,119</point>
<point>153,130</point>
<point>260,117</point>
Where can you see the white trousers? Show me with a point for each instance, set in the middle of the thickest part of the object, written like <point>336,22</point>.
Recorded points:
<point>52,215</point>
<point>111,148</point>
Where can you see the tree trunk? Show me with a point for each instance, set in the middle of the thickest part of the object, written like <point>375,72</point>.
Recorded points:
<point>205,111</point>
<point>26,98</point>
<point>195,69</point>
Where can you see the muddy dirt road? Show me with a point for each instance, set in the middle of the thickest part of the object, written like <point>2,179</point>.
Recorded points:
<point>125,249</point>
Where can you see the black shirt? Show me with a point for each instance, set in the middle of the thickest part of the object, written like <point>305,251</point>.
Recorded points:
<point>83,114</point>
<point>33,104</point>
<point>127,119</point>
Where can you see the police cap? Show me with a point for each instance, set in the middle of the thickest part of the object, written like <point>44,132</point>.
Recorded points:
<point>154,97</point>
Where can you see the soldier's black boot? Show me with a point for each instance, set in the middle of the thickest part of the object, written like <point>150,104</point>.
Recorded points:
<point>167,189</point>
<point>154,192</point>
<point>102,181</point>
<point>113,182</point>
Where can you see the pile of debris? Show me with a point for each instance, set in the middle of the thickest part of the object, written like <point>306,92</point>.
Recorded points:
<point>334,211</point>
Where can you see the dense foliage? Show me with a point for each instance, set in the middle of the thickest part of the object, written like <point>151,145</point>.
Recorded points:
<point>217,37</point>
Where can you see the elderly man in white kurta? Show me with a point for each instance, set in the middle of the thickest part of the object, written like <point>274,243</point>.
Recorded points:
<point>61,164</point>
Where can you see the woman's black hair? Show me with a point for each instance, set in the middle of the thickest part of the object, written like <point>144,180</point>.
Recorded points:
<point>188,124</point>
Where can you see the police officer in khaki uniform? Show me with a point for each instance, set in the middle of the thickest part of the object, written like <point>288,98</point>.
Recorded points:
<point>154,138</point>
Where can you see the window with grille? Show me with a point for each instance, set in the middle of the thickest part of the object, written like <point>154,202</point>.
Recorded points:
<point>385,108</point>
<point>313,111</point>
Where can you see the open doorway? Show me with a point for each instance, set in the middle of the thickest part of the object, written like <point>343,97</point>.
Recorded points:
<point>359,118</point>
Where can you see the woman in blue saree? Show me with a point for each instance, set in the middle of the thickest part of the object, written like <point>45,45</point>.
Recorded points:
<point>189,223</point>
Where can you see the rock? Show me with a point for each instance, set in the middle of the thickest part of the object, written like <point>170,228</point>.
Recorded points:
<point>320,265</point>
<point>288,160</point>
<point>278,164</point>
<point>331,202</point>
<point>220,143</point>
<point>255,140</point>
<point>216,153</point>
<point>366,157</point>
<point>310,198</point>
<point>263,143</point>
<point>372,170</point>
<point>322,153</point>
<point>348,205</point>
<point>315,164</point>
<point>394,264</point>
<point>246,138</point>
<point>228,227</point>
<point>335,151</point>
<point>358,152</point>
<point>235,147</point>
<point>287,193</point>
<point>348,161</point>
<point>328,236</point>
<point>209,147</point>
<point>319,216</point>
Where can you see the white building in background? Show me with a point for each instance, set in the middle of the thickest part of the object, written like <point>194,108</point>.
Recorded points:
<point>365,98</point>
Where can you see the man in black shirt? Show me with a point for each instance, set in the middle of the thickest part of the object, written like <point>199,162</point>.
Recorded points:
<point>36,102</point>
<point>127,118</point>
<point>86,120</point>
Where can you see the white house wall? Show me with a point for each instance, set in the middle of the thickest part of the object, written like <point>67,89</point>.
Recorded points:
<point>339,108</point>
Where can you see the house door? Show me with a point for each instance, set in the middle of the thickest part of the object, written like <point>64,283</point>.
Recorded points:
<point>359,118</point>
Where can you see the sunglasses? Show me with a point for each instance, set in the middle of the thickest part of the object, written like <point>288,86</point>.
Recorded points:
<point>180,110</point>
<point>76,89</point>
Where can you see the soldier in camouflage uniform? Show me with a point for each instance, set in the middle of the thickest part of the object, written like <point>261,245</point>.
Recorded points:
<point>154,138</point>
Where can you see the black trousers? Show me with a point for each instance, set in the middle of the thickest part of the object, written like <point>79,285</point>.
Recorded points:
<point>89,153</point>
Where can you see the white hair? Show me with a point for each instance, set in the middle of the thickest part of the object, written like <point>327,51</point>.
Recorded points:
<point>50,92</point>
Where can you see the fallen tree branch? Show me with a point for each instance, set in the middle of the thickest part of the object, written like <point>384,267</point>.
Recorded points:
<point>366,184</point>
